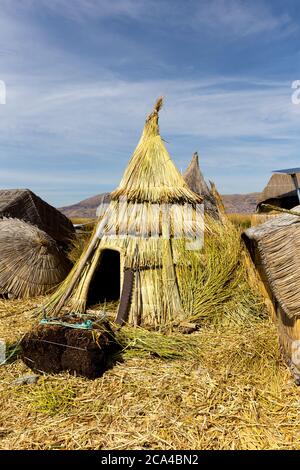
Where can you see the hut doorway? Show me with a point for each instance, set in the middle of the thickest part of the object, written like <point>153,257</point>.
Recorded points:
<point>106,283</point>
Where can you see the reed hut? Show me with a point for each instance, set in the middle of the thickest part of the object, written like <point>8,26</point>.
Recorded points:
<point>274,247</point>
<point>31,263</point>
<point>196,182</point>
<point>23,204</point>
<point>280,192</point>
<point>132,255</point>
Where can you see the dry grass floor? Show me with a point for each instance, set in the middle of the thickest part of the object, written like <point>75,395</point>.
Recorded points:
<point>241,220</point>
<point>233,393</point>
<point>245,221</point>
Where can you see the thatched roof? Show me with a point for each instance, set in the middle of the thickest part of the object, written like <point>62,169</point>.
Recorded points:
<point>31,263</point>
<point>280,190</point>
<point>104,200</point>
<point>152,218</point>
<point>196,182</point>
<point>194,177</point>
<point>23,204</point>
<point>151,176</point>
<point>278,242</point>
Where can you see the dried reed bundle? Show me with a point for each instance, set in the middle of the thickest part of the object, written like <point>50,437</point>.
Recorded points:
<point>137,207</point>
<point>151,176</point>
<point>138,342</point>
<point>196,182</point>
<point>218,276</point>
<point>31,263</point>
<point>277,242</point>
<point>23,204</point>
<point>232,393</point>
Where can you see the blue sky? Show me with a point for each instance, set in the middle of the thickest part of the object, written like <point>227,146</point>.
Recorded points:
<point>81,76</point>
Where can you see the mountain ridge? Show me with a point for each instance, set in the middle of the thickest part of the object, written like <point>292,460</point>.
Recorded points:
<point>234,203</point>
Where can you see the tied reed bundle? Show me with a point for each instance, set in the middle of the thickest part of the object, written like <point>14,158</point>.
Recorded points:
<point>151,175</point>
<point>31,262</point>
<point>150,181</point>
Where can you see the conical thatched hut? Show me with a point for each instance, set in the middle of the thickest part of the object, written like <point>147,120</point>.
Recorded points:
<point>274,247</point>
<point>280,192</point>
<point>196,182</point>
<point>132,254</point>
<point>31,263</point>
<point>23,204</point>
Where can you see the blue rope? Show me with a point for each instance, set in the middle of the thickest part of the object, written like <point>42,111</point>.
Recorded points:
<point>86,325</point>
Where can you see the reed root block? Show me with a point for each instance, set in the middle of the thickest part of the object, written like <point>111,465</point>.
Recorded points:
<point>56,348</point>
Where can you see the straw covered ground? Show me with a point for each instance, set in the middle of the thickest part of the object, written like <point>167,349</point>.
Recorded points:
<point>227,390</point>
<point>221,387</point>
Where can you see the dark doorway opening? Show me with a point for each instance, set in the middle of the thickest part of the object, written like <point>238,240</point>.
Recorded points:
<point>105,285</point>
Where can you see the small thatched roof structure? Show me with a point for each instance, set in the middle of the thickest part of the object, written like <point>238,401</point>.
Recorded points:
<point>23,204</point>
<point>134,251</point>
<point>196,182</point>
<point>278,243</point>
<point>31,263</point>
<point>151,175</point>
<point>280,191</point>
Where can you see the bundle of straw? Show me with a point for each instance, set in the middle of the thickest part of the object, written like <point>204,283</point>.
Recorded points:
<point>219,276</point>
<point>31,262</point>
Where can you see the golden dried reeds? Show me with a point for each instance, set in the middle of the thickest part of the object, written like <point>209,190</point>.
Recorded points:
<point>31,262</point>
<point>87,222</point>
<point>151,180</point>
<point>78,245</point>
<point>151,175</point>
<point>230,392</point>
<point>241,220</point>
<point>259,219</point>
<point>217,280</point>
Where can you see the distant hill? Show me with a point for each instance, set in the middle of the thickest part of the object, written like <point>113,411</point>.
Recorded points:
<point>86,208</point>
<point>234,203</point>
<point>240,203</point>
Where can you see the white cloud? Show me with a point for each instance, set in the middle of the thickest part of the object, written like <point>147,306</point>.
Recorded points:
<point>56,123</point>
<point>242,18</point>
<point>225,17</point>
<point>69,179</point>
<point>193,107</point>
<point>80,10</point>
<point>64,131</point>
<point>100,9</point>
